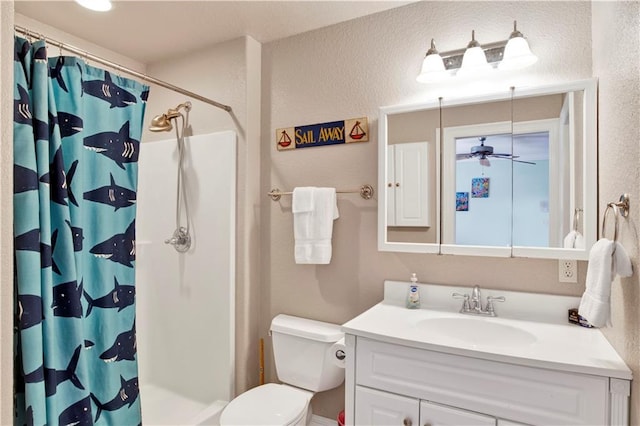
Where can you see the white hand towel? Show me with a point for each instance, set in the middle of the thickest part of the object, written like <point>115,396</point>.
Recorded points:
<point>314,210</point>
<point>574,239</point>
<point>606,260</point>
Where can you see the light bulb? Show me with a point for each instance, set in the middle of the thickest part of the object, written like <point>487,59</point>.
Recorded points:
<point>474,60</point>
<point>97,5</point>
<point>433,68</point>
<point>517,53</point>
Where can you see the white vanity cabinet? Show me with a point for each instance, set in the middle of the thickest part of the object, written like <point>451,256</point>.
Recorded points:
<point>434,366</point>
<point>407,186</point>
<point>374,407</point>
<point>400,385</point>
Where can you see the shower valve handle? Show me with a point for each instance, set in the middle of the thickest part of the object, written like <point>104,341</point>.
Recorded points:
<point>181,240</point>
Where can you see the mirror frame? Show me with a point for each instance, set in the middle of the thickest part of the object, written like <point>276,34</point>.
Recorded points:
<point>589,185</point>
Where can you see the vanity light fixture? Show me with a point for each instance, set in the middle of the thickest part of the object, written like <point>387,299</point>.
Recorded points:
<point>475,59</point>
<point>432,66</point>
<point>96,5</point>
<point>517,53</point>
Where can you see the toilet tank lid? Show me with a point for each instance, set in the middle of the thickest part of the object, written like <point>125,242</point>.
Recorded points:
<point>309,329</point>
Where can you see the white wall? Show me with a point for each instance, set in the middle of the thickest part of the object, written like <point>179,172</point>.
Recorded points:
<point>349,70</point>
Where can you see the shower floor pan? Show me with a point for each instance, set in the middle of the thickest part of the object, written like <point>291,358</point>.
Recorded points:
<point>162,407</point>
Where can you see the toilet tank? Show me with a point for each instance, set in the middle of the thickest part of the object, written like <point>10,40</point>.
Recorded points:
<point>303,355</point>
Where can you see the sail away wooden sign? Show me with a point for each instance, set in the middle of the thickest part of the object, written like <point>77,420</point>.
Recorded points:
<point>333,133</point>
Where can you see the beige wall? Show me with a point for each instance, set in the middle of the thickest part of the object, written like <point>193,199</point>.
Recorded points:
<point>349,70</point>
<point>6,213</point>
<point>616,49</point>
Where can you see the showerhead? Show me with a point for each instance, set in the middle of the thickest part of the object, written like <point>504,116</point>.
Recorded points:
<point>162,122</point>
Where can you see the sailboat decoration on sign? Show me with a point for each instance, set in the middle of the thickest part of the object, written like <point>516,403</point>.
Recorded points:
<point>285,140</point>
<point>357,132</point>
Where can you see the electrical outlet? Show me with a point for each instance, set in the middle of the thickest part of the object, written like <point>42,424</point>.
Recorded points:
<point>567,271</point>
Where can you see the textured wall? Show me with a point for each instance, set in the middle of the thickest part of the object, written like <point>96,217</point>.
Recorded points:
<point>349,70</point>
<point>616,49</point>
<point>6,213</point>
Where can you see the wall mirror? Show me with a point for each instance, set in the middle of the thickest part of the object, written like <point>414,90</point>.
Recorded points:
<point>505,174</point>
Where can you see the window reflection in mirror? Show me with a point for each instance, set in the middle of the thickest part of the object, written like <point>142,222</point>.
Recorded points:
<point>477,182</point>
<point>483,190</point>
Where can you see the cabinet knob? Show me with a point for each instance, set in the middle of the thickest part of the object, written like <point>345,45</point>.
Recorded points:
<point>397,184</point>
<point>390,185</point>
<point>407,422</point>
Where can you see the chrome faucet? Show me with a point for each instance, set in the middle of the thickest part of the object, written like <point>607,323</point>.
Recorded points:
<point>473,304</point>
<point>476,300</point>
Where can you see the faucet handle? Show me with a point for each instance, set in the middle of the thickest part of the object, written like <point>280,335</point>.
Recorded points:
<point>490,300</point>
<point>465,303</point>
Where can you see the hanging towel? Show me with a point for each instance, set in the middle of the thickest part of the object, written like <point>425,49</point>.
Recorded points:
<point>574,239</point>
<point>314,210</point>
<point>606,260</point>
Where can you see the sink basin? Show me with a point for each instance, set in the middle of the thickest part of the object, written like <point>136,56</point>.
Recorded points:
<point>476,331</point>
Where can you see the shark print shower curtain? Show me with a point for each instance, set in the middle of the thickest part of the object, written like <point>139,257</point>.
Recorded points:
<point>77,135</point>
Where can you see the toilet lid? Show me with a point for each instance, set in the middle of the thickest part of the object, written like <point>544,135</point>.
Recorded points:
<point>270,404</point>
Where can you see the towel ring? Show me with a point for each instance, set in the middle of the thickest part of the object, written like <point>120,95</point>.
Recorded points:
<point>614,207</point>
<point>621,208</point>
<point>576,217</point>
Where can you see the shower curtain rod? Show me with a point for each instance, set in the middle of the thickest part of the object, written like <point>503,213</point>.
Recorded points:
<point>118,67</point>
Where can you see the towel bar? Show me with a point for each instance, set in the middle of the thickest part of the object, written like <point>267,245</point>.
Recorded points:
<point>365,191</point>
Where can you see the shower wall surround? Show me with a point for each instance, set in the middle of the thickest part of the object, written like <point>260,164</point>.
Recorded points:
<point>186,300</point>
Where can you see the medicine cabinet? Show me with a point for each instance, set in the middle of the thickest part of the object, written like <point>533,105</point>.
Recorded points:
<point>505,174</point>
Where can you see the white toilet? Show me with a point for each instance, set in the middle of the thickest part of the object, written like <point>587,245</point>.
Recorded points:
<point>304,362</point>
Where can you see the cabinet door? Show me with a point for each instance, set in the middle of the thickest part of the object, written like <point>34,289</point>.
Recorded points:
<point>381,408</point>
<point>408,175</point>
<point>441,415</point>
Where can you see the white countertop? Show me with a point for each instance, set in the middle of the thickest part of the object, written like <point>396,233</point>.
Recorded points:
<point>557,346</point>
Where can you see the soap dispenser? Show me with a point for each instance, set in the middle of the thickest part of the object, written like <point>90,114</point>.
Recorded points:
<point>413,298</point>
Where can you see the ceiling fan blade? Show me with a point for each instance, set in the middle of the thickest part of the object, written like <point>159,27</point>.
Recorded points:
<point>498,154</point>
<point>463,156</point>
<point>525,162</point>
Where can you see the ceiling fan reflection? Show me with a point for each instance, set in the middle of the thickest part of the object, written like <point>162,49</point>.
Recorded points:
<point>483,152</point>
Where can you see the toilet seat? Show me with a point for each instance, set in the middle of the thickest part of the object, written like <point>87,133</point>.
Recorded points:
<point>270,404</point>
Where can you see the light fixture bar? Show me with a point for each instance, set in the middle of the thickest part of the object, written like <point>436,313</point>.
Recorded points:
<point>494,52</point>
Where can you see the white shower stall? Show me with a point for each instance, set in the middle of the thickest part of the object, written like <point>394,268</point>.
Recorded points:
<point>185,301</point>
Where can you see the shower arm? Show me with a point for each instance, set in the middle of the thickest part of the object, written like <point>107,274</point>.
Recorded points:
<point>175,112</point>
